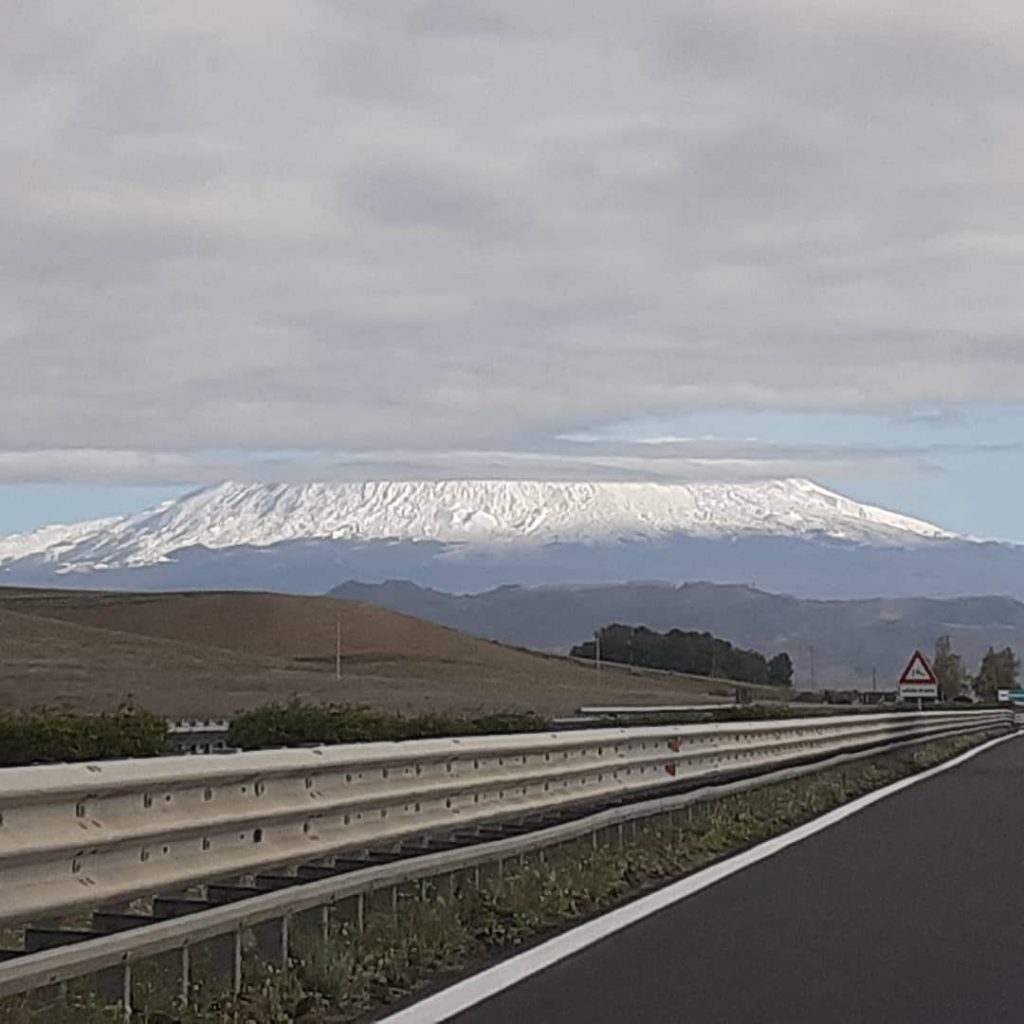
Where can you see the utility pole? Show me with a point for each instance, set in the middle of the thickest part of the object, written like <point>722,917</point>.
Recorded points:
<point>597,651</point>
<point>337,654</point>
<point>811,650</point>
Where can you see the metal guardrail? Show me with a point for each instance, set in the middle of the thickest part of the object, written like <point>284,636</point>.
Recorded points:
<point>655,709</point>
<point>311,905</point>
<point>84,835</point>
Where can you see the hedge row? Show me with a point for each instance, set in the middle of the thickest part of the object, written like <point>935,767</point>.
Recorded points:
<point>297,724</point>
<point>45,737</point>
<point>48,736</point>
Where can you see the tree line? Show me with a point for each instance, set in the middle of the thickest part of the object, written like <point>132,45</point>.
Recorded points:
<point>999,670</point>
<point>699,654</point>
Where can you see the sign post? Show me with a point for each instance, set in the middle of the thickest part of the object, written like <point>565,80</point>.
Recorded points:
<point>919,680</point>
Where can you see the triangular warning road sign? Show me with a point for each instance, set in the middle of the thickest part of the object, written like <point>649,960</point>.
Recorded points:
<point>918,671</point>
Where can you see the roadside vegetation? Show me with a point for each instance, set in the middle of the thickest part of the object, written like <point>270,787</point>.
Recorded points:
<point>50,736</point>
<point>298,724</point>
<point>999,670</point>
<point>448,928</point>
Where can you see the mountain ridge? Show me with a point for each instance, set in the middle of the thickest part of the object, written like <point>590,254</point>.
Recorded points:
<point>839,643</point>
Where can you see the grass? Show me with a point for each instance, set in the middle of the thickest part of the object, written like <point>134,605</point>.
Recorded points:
<point>444,928</point>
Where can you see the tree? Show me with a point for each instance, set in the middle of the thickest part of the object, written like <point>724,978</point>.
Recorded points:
<point>700,654</point>
<point>948,669</point>
<point>999,670</point>
<point>780,670</point>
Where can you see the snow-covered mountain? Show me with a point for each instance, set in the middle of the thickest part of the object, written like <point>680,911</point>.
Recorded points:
<point>790,536</point>
<point>476,514</point>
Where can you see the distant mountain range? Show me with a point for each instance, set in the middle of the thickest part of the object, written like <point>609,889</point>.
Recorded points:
<point>464,536</point>
<point>847,641</point>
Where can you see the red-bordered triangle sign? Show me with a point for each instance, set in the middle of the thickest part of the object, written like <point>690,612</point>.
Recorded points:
<point>919,672</point>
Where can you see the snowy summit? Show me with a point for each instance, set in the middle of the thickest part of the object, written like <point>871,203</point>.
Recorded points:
<point>479,513</point>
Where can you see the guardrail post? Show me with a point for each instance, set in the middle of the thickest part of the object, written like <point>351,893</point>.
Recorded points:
<point>284,941</point>
<point>126,990</point>
<point>186,979</point>
<point>236,980</point>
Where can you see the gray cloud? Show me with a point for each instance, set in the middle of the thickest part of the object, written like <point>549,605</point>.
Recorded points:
<point>436,227</point>
<point>666,460</point>
<point>418,196</point>
<point>457,18</point>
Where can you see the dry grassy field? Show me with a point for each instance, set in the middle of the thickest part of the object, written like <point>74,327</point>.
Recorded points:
<point>209,653</point>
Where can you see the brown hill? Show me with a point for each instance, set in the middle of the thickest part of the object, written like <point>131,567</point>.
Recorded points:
<point>271,625</point>
<point>207,653</point>
<point>50,662</point>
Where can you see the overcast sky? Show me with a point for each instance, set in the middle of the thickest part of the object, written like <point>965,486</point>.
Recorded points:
<point>621,239</point>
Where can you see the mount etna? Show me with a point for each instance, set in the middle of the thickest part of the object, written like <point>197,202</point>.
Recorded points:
<point>465,536</point>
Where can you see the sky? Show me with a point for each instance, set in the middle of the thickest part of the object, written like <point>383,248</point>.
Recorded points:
<point>633,239</point>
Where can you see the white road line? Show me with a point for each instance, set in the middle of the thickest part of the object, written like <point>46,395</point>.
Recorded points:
<point>467,993</point>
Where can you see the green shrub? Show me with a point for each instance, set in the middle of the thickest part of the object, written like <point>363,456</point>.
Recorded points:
<point>298,724</point>
<point>44,736</point>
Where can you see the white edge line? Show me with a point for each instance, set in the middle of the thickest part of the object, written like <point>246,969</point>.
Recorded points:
<point>471,991</point>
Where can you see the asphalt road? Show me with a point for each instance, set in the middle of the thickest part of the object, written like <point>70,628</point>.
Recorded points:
<point>909,911</point>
